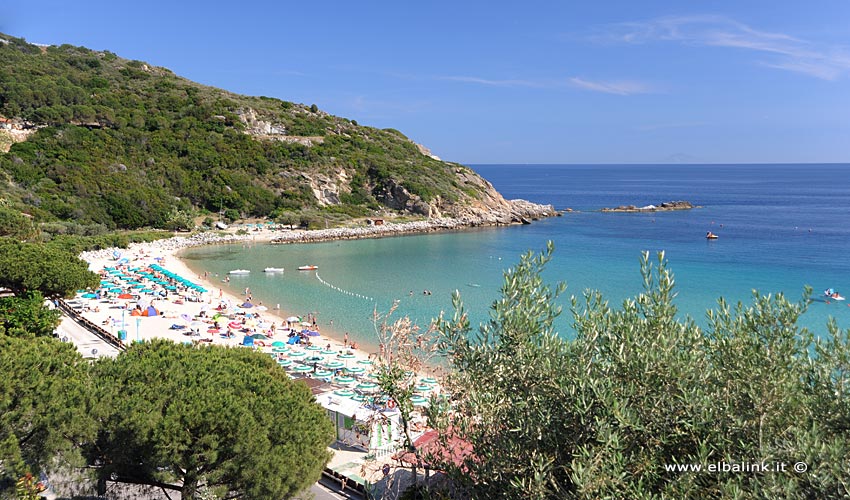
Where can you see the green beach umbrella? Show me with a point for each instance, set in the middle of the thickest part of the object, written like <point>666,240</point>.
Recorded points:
<point>366,362</point>
<point>295,354</point>
<point>328,353</point>
<point>323,374</point>
<point>345,380</point>
<point>347,356</point>
<point>367,386</point>
<point>419,400</point>
<point>344,392</point>
<point>313,348</point>
<point>303,368</point>
<point>278,343</point>
<point>355,370</point>
<point>334,365</point>
<point>284,362</point>
<point>428,380</point>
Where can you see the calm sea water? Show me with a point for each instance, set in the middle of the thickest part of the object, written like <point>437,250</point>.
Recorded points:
<point>781,227</point>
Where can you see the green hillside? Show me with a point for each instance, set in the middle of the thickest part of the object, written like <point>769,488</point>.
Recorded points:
<point>123,144</point>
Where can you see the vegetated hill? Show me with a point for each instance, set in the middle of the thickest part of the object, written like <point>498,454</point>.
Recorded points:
<point>98,139</point>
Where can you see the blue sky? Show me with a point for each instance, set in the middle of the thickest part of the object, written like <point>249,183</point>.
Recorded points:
<point>511,82</point>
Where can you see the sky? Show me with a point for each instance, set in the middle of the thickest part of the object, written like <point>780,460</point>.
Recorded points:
<point>511,82</point>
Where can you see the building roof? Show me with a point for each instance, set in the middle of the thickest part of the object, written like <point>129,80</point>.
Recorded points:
<point>433,453</point>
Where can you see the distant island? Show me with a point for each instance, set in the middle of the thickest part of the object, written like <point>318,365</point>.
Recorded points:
<point>661,207</point>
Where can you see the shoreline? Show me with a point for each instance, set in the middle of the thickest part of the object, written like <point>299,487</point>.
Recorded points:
<point>170,249</point>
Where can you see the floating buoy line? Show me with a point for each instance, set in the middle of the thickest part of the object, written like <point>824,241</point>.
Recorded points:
<point>340,290</point>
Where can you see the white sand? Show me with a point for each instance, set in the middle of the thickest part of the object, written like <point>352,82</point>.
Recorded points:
<point>111,313</point>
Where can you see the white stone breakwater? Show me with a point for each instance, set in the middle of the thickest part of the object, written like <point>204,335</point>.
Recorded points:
<point>374,231</point>
<point>171,245</point>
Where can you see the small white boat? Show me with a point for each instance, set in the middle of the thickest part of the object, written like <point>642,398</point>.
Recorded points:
<point>273,270</point>
<point>239,271</point>
<point>308,268</point>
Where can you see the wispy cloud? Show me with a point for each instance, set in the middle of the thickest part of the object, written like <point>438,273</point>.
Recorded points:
<point>623,87</point>
<point>784,52</point>
<point>496,83</point>
<point>617,88</point>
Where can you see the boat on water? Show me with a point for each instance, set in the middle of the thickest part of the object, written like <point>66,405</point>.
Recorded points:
<point>307,268</point>
<point>710,236</point>
<point>273,270</point>
<point>239,271</point>
<point>830,293</point>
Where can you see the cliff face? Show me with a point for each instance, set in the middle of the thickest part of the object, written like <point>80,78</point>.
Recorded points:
<point>489,207</point>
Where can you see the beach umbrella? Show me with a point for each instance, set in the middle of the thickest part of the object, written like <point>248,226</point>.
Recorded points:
<point>247,305</point>
<point>328,353</point>
<point>259,336</point>
<point>359,398</point>
<point>278,343</point>
<point>303,368</point>
<point>89,295</point>
<point>261,308</point>
<point>311,333</point>
<point>284,362</point>
<point>315,359</point>
<point>355,370</point>
<point>323,374</point>
<point>419,400</point>
<point>280,349</point>
<point>366,362</point>
<point>367,386</point>
<point>295,354</point>
<point>293,319</point>
<point>125,296</point>
<point>345,380</point>
<point>334,365</point>
<point>344,392</point>
<point>304,323</point>
<point>314,348</point>
<point>422,388</point>
<point>346,356</point>
<point>428,380</point>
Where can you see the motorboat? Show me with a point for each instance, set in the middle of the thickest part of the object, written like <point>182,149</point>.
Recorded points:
<point>710,236</point>
<point>308,268</point>
<point>830,293</point>
<point>273,270</point>
<point>240,271</point>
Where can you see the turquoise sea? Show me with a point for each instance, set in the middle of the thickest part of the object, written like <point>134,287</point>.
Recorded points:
<point>780,227</point>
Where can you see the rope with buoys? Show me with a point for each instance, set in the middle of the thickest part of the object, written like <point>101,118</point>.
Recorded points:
<point>344,292</point>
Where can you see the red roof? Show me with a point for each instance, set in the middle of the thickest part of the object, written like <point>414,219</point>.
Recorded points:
<point>456,450</point>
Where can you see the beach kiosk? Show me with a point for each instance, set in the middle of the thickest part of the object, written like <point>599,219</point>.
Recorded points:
<point>371,429</point>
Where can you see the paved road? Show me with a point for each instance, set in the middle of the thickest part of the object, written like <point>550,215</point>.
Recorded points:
<point>323,490</point>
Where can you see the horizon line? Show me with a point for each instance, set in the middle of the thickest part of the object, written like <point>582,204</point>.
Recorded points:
<point>658,163</point>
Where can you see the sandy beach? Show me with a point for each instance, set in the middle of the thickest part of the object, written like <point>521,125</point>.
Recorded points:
<point>185,314</point>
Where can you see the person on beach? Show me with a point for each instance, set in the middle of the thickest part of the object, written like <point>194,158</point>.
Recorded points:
<point>345,340</point>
